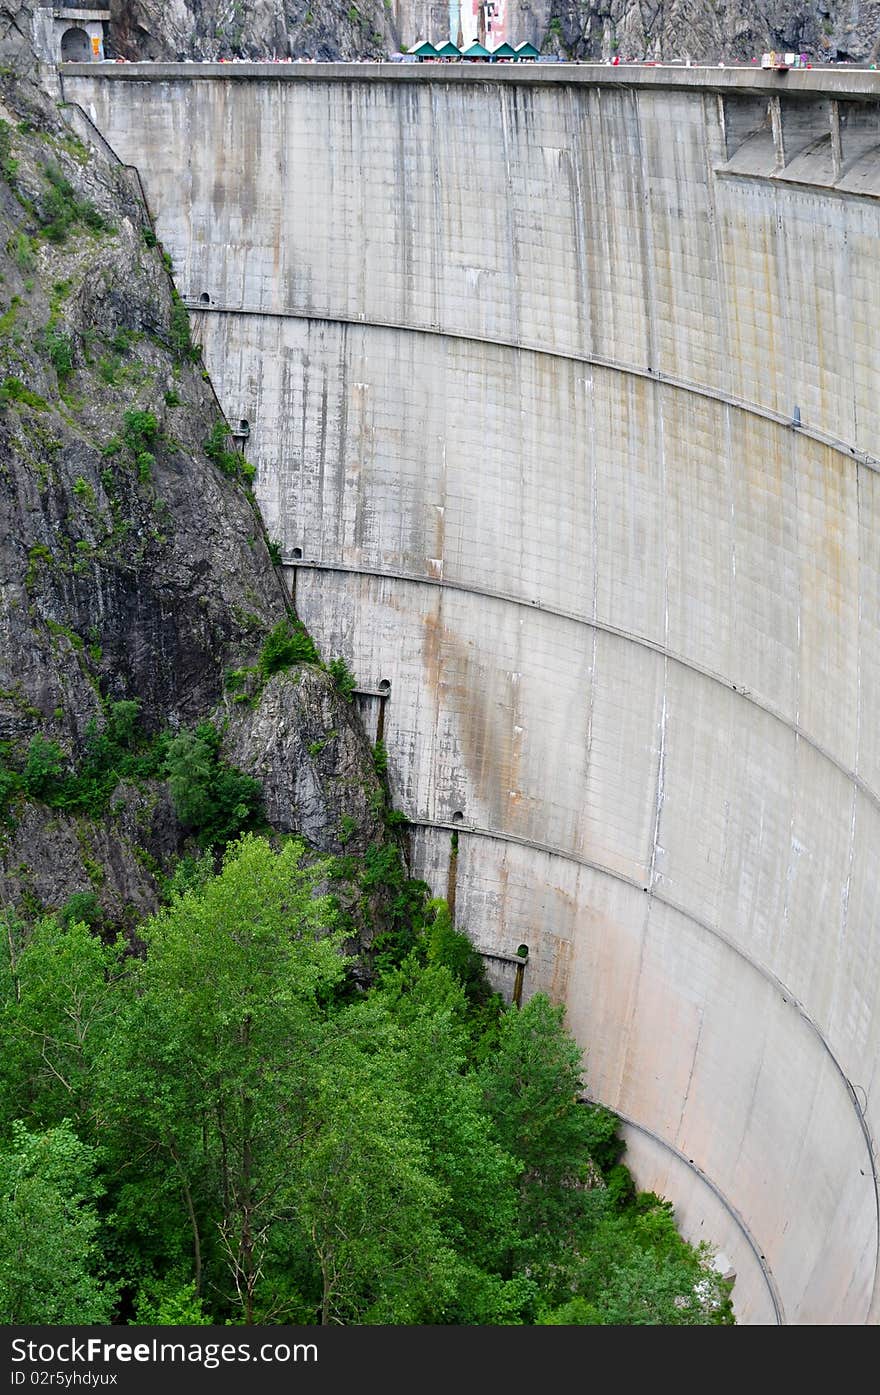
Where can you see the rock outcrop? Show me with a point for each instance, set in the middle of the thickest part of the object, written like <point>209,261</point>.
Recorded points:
<point>187,29</point>
<point>135,566</point>
<point>827,30</point>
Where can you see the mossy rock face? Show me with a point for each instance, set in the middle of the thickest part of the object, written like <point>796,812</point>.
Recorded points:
<point>306,746</point>
<point>135,562</point>
<point>66,855</point>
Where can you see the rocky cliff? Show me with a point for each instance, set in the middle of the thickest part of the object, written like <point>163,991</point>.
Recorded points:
<point>828,30</point>
<point>210,29</point>
<point>139,596</point>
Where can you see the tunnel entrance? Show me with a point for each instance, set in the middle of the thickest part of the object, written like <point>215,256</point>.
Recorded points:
<point>75,46</point>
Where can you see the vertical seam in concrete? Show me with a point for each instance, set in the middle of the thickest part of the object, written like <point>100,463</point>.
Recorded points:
<point>852,828</point>
<point>344,344</point>
<point>687,1089</point>
<point>776,126</point>
<point>721,300</point>
<point>661,768</point>
<point>859,619</point>
<point>585,300</point>
<point>594,580</point>
<point>438,219</point>
<point>504,99</point>
<point>304,437</point>
<point>731,495</point>
<point>647,244</point>
<point>836,144</point>
<point>851,299</point>
<point>407,204</point>
<point>863,1112</point>
<point>661,757</point>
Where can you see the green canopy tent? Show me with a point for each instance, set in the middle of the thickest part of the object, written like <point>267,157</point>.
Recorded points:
<point>423,51</point>
<point>475,51</point>
<point>527,51</point>
<point>503,51</point>
<point>448,50</point>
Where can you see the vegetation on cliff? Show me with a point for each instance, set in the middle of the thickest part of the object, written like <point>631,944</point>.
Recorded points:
<point>223,1130</point>
<point>157,693</point>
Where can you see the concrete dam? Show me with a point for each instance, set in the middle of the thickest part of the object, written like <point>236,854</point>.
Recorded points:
<point>563,390</point>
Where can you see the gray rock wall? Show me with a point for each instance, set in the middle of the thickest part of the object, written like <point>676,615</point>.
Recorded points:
<point>126,577</point>
<point>841,30</point>
<point>522,361</point>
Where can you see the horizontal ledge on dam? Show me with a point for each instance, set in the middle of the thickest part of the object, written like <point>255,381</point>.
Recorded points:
<point>653,375</point>
<point>767,1272</point>
<point>503,958</point>
<point>856,83</point>
<point>788,998</point>
<point>829,190</point>
<point>442,583</point>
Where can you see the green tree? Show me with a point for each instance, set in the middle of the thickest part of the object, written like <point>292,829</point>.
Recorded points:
<point>532,1085</point>
<point>50,1260</point>
<point>431,1013</point>
<point>214,799</point>
<point>364,1198</point>
<point>638,1271</point>
<point>58,1000</point>
<point>531,1089</point>
<point>211,1061</point>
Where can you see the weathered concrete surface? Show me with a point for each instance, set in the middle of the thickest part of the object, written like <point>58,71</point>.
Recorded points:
<point>521,360</point>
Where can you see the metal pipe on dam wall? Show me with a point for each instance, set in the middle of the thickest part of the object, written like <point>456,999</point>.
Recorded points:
<point>562,388</point>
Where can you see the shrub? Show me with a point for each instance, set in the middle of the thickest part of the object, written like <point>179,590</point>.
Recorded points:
<point>10,781</point>
<point>8,166</point>
<point>289,642</point>
<point>14,390</point>
<point>44,769</point>
<point>62,209</point>
<point>620,1185</point>
<point>122,722</point>
<point>81,908</point>
<point>122,340</point>
<point>343,678</point>
<point>215,800</point>
<point>83,490</point>
<point>231,462</point>
<point>60,349</point>
<point>145,463</point>
<point>21,249</point>
<point>108,370</point>
<point>181,341</point>
<point>139,431</point>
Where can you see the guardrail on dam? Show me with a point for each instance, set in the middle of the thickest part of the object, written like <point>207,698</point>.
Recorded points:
<point>562,386</point>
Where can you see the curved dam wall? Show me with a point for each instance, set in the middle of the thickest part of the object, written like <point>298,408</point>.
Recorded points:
<point>563,395</point>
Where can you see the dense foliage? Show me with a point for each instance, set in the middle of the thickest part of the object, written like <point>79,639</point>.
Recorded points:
<point>222,1129</point>
<point>212,799</point>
